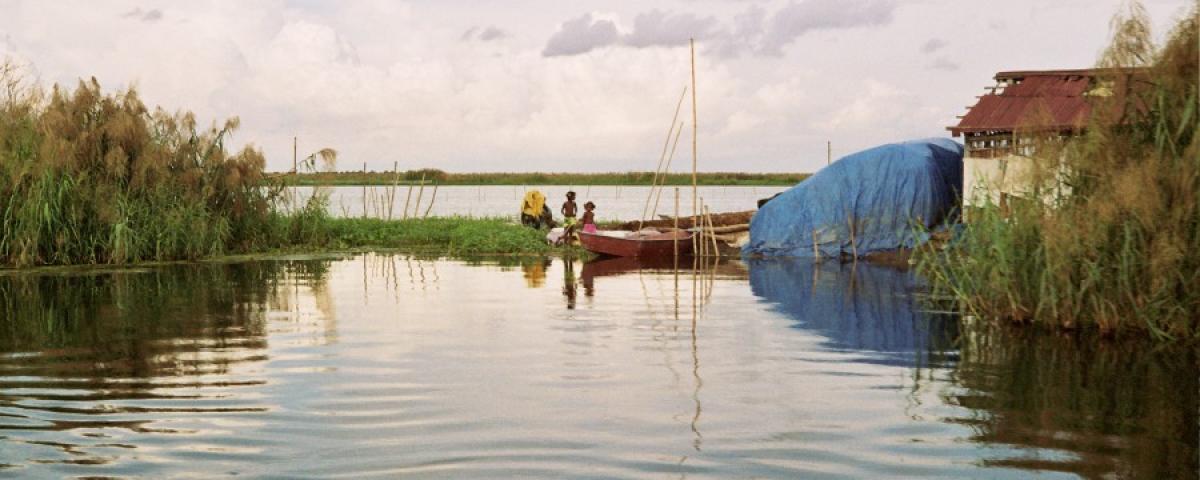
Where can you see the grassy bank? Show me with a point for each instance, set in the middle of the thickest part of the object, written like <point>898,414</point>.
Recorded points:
<point>569,179</point>
<point>446,236</point>
<point>1116,249</point>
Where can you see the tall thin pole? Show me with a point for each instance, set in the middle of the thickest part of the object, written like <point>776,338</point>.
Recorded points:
<point>695,193</point>
<point>675,234</point>
<point>828,152</point>
<point>662,157</point>
<point>295,155</point>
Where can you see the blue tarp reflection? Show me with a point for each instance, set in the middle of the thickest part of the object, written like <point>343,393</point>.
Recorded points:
<point>858,307</point>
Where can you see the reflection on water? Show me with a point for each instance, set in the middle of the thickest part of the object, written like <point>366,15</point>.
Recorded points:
<point>1120,408</point>
<point>858,307</point>
<point>387,365</point>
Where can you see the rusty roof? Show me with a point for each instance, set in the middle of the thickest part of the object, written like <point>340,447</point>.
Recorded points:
<point>1040,100</point>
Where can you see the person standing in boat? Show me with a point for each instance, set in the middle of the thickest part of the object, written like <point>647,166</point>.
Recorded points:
<point>589,217</point>
<point>569,209</point>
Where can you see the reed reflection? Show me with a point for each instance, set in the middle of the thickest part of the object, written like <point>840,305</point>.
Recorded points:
<point>1120,408</point>
<point>107,352</point>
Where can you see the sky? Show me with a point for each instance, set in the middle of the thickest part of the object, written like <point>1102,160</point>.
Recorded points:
<point>551,85</point>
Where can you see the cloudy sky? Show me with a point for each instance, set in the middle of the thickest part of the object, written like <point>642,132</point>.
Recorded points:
<point>560,85</point>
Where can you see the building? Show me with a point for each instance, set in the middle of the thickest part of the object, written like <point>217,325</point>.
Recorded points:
<point>1002,130</point>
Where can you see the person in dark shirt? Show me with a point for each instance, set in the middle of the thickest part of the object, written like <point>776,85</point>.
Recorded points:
<point>569,209</point>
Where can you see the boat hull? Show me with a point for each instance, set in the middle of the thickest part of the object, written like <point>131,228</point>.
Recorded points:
<point>641,246</point>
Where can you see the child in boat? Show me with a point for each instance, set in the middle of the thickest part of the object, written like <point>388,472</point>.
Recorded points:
<point>569,209</point>
<point>589,217</point>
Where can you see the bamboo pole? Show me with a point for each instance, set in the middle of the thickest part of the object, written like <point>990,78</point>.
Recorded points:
<point>364,191</point>
<point>663,156</point>
<point>708,219</point>
<point>853,242</point>
<point>700,229</point>
<point>420,192</point>
<point>667,168</point>
<point>816,251</point>
<point>695,193</point>
<point>295,155</point>
<point>675,234</point>
<point>406,200</point>
<point>392,193</point>
<point>431,199</point>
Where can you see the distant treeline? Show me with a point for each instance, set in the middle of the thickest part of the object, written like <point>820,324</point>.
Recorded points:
<point>612,178</point>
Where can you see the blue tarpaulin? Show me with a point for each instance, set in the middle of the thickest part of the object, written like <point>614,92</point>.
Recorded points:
<point>863,203</point>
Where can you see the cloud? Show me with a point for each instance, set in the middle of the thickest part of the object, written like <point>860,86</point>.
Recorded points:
<point>797,19</point>
<point>145,16</point>
<point>944,64</point>
<point>487,34</point>
<point>492,33</point>
<point>933,45</point>
<point>658,28</point>
<point>749,31</point>
<point>581,35</point>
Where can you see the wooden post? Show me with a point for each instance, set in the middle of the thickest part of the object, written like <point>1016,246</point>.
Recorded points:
<point>816,251</point>
<point>420,192</point>
<point>431,199</point>
<point>853,240</point>
<point>828,152</point>
<point>700,228</point>
<point>295,156</point>
<point>695,193</point>
<point>676,232</point>
<point>406,200</point>
<point>364,192</point>
<point>392,193</point>
<point>708,219</point>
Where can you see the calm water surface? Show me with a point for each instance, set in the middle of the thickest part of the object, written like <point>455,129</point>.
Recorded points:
<point>385,366</point>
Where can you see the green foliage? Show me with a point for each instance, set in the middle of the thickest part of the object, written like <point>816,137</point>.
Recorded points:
<point>1117,248</point>
<point>446,235</point>
<point>88,177</point>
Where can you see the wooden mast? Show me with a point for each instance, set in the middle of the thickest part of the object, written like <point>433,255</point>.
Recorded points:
<point>695,193</point>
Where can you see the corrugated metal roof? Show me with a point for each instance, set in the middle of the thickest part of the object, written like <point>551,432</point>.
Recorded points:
<point>1049,100</point>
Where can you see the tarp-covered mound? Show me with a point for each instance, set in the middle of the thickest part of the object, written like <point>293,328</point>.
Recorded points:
<point>863,203</point>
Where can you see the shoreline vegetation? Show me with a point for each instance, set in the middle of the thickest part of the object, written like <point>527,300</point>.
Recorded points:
<point>1108,238</point>
<point>431,176</point>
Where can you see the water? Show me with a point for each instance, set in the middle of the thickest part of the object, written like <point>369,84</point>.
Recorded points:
<point>384,366</point>
<point>613,202</point>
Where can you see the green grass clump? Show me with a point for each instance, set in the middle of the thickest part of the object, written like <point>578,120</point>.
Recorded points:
<point>444,235</point>
<point>1117,247</point>
<point>89,177</point>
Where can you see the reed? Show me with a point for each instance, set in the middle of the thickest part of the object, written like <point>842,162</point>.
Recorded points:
<point>1113,245</point>
<point>93,178</point>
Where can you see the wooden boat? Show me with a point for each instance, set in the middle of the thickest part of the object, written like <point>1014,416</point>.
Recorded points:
<point>637,244</point>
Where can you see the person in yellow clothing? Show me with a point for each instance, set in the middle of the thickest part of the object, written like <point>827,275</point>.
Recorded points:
<point>534,212</point>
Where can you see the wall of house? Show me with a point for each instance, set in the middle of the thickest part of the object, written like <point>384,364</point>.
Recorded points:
<point>991,179</point>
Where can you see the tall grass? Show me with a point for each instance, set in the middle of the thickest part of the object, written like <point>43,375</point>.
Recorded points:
<point>1114,243</point>
<point>90,177</point>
